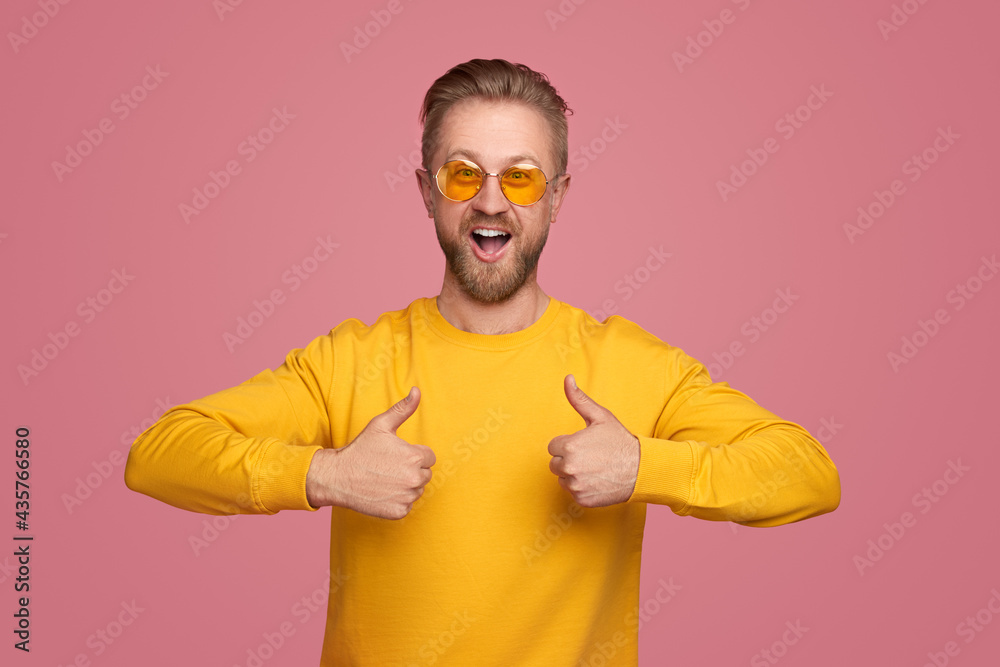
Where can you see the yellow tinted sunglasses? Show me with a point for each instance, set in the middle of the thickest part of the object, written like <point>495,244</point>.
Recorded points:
<point>521,184</point>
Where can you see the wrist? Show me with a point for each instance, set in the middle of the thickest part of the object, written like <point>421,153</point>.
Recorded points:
<point>319,478</point>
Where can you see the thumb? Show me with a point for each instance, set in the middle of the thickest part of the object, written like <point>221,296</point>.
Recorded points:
<point>585,406</point>
<point>394,417</point>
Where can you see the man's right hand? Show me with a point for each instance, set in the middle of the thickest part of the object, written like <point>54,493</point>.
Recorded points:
<point>378,473</point>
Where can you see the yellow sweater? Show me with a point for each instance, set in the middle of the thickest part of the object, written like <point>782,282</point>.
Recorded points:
<point>495,565</point>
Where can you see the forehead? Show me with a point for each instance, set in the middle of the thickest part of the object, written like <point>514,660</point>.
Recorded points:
<point>495,134</point>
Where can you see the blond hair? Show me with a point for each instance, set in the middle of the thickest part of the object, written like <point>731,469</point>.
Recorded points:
<point>495,81</point>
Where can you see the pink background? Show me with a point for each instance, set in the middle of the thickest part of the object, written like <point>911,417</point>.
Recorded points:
<point>160,339</point>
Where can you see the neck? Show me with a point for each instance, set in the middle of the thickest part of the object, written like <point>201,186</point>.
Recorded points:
<point>517,313</point>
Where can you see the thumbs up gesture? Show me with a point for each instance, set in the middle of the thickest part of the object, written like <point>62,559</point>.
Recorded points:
<point>598,465</point>
<point>378,473</point>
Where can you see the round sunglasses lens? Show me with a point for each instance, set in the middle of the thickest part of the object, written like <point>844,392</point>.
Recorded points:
<point>523,184</point>
<point>459,180</point>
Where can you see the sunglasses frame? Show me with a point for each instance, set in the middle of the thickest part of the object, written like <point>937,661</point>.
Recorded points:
<point>484,174</point>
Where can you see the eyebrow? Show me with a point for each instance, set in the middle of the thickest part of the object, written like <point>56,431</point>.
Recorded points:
<point>473,156</point>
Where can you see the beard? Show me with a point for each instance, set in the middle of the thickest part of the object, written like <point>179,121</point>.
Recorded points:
<point>494,282</point>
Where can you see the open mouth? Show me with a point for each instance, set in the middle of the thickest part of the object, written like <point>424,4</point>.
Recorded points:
<point>490,240</point>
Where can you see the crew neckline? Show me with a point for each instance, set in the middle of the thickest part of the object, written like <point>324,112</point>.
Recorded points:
<point>450,332</point>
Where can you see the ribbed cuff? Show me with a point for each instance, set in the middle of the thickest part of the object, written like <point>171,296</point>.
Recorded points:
<point>280,477</point>
<point>666,468</point>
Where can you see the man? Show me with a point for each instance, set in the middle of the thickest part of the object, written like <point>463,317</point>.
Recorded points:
<point>494,515</point>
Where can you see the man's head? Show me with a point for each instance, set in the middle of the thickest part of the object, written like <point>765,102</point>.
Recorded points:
<point>494,115</point>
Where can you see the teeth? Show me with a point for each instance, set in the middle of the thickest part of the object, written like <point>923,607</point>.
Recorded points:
<point>489,232</point>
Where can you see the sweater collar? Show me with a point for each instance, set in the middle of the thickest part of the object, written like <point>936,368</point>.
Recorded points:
<point>506,341</point>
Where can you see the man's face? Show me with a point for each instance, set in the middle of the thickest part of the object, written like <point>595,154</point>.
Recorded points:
<point>495,136</point>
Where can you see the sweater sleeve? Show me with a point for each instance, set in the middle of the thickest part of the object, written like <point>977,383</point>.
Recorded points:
<point>717,455</point>
<point>244,450</point>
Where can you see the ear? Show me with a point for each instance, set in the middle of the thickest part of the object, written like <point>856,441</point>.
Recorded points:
<point>426,190</point>
<point>559,191</point>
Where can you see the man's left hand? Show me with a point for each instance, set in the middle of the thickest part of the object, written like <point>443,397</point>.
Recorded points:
<point>598,465</point>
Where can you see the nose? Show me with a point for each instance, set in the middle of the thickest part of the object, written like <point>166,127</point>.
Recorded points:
<point>490,199</point>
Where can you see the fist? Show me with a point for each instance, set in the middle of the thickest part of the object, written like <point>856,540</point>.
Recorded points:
<point>378,473</point>
<point>598,464</point>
